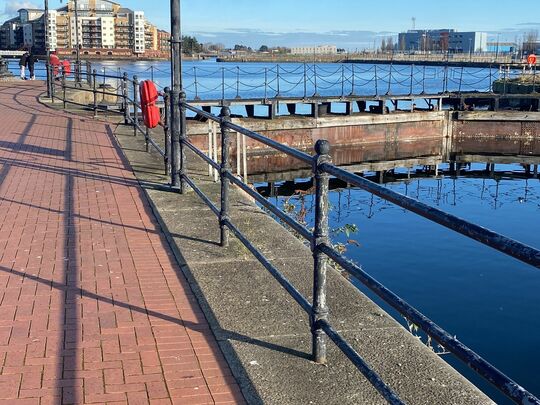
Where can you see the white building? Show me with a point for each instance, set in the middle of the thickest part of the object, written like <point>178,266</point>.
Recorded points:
<point>138,23</point>
<point>51,30</point>
<point>314,50</point>
<point>107,32</point>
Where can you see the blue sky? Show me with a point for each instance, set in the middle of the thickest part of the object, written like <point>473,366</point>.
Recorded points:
<point>347,23</point>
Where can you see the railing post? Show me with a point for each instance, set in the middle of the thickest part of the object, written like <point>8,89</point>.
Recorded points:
<point>222,85</point>
<point>320,238</point>
<point>460,80</point>
<point>167,133</point>
<point>135,102</point>
<point>238,82</point>
<point>196,83</point>
<point>342,81</point>
<point>265,83</point>
<point>316,94</point>
<point>64,87</point>
<point>376,82</point>
<point>225,170</point>
<point>305,81</point>
<point>412,75</point>
<point>125,96</point>
<point>152,72</point>
<point>53,90</point>
<point>183,138</point>
<point>389,80</point>
<point>277,78</point>
<point>424,80</point>
<point>94,90</point>
<point>353,80</point>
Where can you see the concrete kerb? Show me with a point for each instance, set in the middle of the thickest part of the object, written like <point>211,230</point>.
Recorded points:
<point>256,322</point>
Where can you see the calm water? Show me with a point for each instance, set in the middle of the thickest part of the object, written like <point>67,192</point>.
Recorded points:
<point>489,301</point>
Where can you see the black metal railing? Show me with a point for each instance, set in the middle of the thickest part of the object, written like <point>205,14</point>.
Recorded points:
<point>124,98</point>
<point>322,169</point>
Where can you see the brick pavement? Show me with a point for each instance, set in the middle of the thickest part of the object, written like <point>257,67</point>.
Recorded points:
<point>93,307</point>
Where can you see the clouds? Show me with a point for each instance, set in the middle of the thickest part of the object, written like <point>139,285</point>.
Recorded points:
<point>12,6</point>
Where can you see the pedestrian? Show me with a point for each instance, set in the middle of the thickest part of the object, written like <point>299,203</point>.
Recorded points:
<point>31,61</point>
<point>22,64</point>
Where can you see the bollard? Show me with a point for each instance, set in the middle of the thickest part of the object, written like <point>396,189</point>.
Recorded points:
<point>183,139</point>
<point>135,104</point>
<point>225,169</point>
<point>94,90</point>
<point>125,96</point>
<point>320,260</point>
<point>167,133</point>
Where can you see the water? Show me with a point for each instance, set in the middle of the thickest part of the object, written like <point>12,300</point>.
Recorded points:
<point>489,301</point>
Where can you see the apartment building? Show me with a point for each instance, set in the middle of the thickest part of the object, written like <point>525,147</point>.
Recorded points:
<point>314,50</point>
<point>99,27</point>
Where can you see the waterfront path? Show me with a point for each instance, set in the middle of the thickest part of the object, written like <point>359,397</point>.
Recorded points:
<point>94,308</point>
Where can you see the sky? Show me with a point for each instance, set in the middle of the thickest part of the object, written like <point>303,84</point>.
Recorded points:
<point>349,24</point>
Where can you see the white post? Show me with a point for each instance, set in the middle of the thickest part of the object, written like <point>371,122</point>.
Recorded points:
<point>244,158</point>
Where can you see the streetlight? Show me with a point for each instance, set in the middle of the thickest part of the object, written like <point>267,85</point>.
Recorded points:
<point>48,50</point>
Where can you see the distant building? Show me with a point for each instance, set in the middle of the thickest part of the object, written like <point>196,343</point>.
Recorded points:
<point>314,50</point>
<point>104,28</point>
<point>444,40</point>
<point>502,47</point>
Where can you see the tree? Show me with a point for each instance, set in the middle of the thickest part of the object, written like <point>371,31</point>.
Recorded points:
<point>383,44</point>
<point>530,42</point>
<point>263,48</point>
<point>190,45</point>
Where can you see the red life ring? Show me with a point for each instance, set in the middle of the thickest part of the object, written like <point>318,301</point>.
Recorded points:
<point>66,66</point>
<point>531,59</point>
<point>149,98</point>
<point>54,61</point>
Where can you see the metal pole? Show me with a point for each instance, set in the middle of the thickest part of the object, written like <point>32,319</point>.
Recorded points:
<point>412,74</point>
<point>352,80</point>
<point>78,45</point>
<point>196,83</point>
<point>48,50</point>
<point>305,80</point>
<point>166,125</point>
<point>376,82</point>
<point>320,238</point>
<point>125,95</point>
<point>64,87</point>
<point>225,169</point>
<point>135,106</point>
<point>183,138</point>
<point>176,80</point>
<point>238,82</point>
<point>222,85</point>
<point>94,90</point>
<point>265,83</point>
<point>277,78</point>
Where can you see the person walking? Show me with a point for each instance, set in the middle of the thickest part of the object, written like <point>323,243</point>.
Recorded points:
<point>22,64</point>
<point>31,61</point>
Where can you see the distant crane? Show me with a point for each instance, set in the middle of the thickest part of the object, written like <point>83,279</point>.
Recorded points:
<point>413,23</point>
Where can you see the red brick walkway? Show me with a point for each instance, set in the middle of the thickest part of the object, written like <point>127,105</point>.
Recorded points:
<point>93,308</point>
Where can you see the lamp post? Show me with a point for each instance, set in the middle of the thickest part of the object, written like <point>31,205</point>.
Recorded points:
<point>177,121</point>
<point>48,49</point>
<point>78,45</point>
